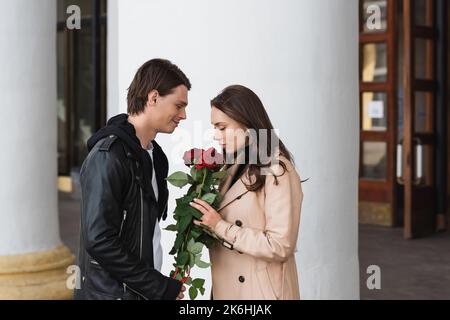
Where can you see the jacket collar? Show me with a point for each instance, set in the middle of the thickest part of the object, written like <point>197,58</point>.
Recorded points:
<point>234,192</point>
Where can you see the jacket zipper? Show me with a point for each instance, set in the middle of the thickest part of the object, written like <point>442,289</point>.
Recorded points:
<point>125,287</point>
<point>142,221</point>
<point>123,222</point>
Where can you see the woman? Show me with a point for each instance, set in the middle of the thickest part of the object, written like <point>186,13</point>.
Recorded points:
<point>259,215</point>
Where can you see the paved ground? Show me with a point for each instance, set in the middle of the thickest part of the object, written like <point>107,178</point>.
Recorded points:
<point>69,221</point>
<point>416,269</point>
<point>410,269</point>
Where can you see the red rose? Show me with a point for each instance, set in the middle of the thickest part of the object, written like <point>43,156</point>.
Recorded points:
<point>210,159</point>
<point>191,156</point>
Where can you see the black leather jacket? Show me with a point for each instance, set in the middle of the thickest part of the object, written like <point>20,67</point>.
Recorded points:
<point>117,224</point>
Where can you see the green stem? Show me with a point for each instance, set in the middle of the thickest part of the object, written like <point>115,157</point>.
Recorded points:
<point>203,183</point>
<point>188,231</point>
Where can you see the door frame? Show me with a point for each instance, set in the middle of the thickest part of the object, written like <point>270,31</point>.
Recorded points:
<point>448,116</point>
<point>420,200</point>
<point>379,198</point>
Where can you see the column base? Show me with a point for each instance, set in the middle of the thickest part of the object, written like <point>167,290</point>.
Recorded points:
<point>36,275</point>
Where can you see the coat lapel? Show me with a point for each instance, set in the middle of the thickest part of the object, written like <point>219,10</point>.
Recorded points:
<point>231,193</point>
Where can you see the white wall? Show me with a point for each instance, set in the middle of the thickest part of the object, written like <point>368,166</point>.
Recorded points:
<point>301,58</point>
<point>28,190</point>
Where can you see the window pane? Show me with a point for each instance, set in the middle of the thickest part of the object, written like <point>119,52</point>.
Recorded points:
<point>374,16</point>
<point>374,160</point>
<point>424,59</point>
<point>374,115</point>
<point>374,62</point>
<point>424,115</point>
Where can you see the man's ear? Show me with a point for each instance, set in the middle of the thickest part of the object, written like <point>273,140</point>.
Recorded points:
<point>151,97</point>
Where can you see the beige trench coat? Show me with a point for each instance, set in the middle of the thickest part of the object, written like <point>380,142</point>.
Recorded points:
<point>257,262</point>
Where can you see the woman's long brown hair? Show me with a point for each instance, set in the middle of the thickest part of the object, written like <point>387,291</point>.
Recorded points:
<point>244,106</point>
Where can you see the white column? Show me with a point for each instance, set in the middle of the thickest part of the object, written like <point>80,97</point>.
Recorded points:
<point>29,229</point>
<point>301,58</point>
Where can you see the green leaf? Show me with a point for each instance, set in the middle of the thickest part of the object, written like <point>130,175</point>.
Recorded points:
<point>190,179</point>
<point>171,227</point>
<point>184,211</point>
<point>219,198</point>
<point>184,223</point>
<point>202,290</point>
<point>195,213</point>
<point>219,174</point>
<point>196,174</point>
<point>193,293</point>
<point>182,258</point>
<point>178,242</point>
<point>178,179</point>
<point>201,264</point>
<point>190,244</point>
<point>192,189</point>
<point>198,188</point>
<point>209,197</point>
<point>196,248</point>
<point>181,210</point>
<point>191,260</point>
<point>179,277</point>
<point>198,283</point>
<point>196,232</point>
<point>208,183</point>
<point>189,281</point>
<point>206,239</point>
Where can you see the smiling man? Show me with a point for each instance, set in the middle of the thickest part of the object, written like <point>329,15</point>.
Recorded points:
<point>124,191</point>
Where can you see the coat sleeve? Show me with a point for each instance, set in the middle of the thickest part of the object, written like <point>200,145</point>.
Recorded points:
<point>278,240</point>
<point>102,183</point>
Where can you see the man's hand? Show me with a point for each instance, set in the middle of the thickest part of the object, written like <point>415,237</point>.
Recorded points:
<point>181,295</point>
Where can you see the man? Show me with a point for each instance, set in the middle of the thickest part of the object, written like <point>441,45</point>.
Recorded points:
<point>124,191</point>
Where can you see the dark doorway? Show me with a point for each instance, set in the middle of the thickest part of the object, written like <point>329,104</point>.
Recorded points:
<point>81,80</point>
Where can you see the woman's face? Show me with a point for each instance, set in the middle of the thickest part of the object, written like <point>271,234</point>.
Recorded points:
<point>230,134</point>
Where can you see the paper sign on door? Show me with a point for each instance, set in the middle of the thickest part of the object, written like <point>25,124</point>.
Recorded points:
<point>376,109</point>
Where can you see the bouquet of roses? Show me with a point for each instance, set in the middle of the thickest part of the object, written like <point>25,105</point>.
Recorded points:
<point>204,178</point>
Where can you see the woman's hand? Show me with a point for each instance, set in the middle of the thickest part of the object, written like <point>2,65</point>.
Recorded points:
<point>210,216</point>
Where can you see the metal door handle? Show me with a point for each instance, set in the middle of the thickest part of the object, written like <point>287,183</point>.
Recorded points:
<point>419,165</point>
<point>400,162</point>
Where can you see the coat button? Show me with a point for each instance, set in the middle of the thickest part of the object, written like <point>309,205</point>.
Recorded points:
<point>241,279</point>
<point>238,223</point>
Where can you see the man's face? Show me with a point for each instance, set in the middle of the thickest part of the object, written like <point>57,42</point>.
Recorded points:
<point>169,110</point>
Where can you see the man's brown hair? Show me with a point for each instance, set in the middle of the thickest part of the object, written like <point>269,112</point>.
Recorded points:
<point>156,74</point>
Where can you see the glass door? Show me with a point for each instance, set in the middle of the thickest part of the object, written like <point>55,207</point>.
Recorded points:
<point>416,170</point>
<point>378,109</point>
